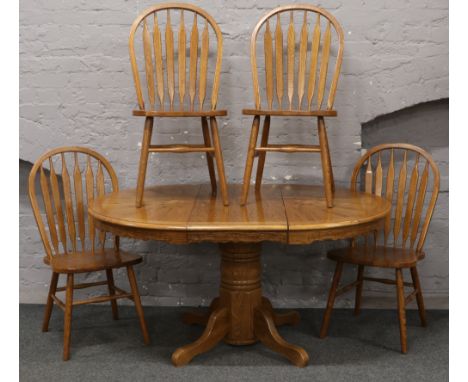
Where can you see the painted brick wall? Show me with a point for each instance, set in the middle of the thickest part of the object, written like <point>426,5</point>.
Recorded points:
<point>76,88</point>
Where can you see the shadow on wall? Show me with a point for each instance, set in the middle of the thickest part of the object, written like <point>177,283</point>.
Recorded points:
<point>24,170</point>
<point>425,124</point>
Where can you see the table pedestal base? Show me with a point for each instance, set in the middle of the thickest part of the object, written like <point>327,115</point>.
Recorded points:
<point>241,315</point>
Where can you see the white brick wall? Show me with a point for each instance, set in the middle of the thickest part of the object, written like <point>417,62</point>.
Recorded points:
<point>76,88</point>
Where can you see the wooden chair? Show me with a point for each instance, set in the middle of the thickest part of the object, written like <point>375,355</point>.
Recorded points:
<point>72,243</point>
<point>185,98</point>
<point>413,193</point>
<point>310,94</point>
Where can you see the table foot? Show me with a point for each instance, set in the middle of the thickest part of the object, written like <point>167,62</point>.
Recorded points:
<point>265,331</point>
<point>216,329</point>
<point>287,318</point>
<point>200,318</point>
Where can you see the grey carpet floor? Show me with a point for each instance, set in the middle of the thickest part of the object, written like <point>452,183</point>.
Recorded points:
<point>364,348</point>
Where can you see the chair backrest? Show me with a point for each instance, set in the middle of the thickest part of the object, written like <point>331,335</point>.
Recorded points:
<point>161,52</point>
<point>72,178</point>
<point>408,177</point>
<point>311,63</point>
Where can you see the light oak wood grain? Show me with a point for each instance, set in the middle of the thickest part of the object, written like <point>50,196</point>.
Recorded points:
<point>294,210</point>
<point>409,199</point>
<point>193,61</point>
<point>209,158</point>
<point>268,45</point>
<point>378,177</point>
<point>170,59</point>
<point>164,66</point>
<point>203,66</point>
<point>182,68</point>
<point>157,46</point>
<point>313,61</point>
<point>291,113</point>
<point>279,66</point>
<point>302,61</point>
<point>297,71</point>
<point>289,214</point>
<point>324,66</point>
<point>262,154</point>
<point>89,257</point>
<point>149,69</point>
<point>170,53</point>
<point>291,62</point>
<point>297,87</point>
<point>68,207</point>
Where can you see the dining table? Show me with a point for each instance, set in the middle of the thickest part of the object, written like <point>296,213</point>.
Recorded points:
<point>289,214</point>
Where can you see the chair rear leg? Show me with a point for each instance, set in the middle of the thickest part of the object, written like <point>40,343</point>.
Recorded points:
<point>145,144</point>
<point>331,299</point>
<point>326,162</point>
<point>219,160</point>
<point>357,302</point>
<point>111,287</point>
<point>419,296</point>
<point>50,301</point>
<point>137,301</point>
<point>68,317</point>
<point>401,308</point>
<point>250,159</point>
<point>209,157</point>
<point>330,168</point>
<point>262,154</point>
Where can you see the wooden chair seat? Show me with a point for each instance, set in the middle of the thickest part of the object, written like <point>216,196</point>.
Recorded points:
<point>379,256</point>
<point>291,113</point>
<point>88,261</point>
<point>174,113</point>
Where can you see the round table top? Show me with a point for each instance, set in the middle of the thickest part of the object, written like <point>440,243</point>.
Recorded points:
<point>295,214</point>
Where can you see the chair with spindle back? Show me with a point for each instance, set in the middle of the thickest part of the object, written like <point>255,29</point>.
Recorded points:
<point>413,193</point>
<point>305,97</point>
<point>162,99</point>
<point>72,243</point>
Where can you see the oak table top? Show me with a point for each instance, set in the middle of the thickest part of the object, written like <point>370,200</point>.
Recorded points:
<point>294,214</point>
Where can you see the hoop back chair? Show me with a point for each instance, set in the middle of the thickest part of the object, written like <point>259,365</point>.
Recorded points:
<point>310,94</point>
<point>412,189</point>
<point>163,59</point>
<point>72,243</point>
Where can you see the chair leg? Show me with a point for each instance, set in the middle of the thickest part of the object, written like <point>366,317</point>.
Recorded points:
<point>419,296</point>
<point>219,160</point>
<point>250,159</point>
<point>331,299</point>
<point>137,301</point>
<point>209,157</point>
<point>326,162</point>
<point>357,302</point>
<point>68,317</point>
<point>330,168</point>
<point>111,286</point>
<point>145,144</point>
<point>50,301</point>
<point>401,308</point>
<point>262,154</point>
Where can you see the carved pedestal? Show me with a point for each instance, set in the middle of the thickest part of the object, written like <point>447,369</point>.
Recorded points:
<point>241,315</point>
